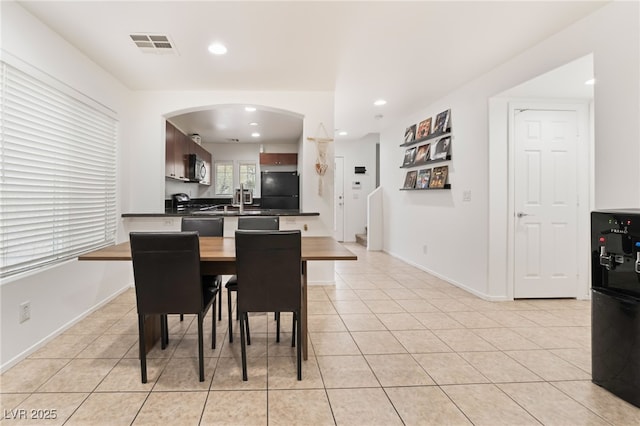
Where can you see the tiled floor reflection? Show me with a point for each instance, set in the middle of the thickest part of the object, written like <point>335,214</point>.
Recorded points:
<point>389,344</point>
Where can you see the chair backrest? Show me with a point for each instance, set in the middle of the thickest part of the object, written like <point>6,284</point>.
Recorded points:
<point>266,223</point>
<point>269,270</point>
<point>206,226</point>
<point>166,270</point>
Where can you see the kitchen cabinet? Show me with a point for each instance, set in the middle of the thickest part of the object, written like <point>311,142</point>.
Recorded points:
<point>178,146</point>
<point>170,142</point>
<point>278,159</point>
<point>176,151</point>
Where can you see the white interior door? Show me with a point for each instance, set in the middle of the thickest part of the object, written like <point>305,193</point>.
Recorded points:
<point>338,204</point>
<point>545,203</point>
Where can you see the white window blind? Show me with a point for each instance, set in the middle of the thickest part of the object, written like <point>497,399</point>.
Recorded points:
<point>57,174</point>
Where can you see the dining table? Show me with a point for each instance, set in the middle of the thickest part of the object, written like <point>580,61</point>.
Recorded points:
<point>218,257</point>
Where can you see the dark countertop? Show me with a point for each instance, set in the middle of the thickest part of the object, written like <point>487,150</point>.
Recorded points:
<point>248,212</point>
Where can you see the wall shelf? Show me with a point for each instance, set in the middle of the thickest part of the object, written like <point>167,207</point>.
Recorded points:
<point>446,186</point>
<point>419,154</point>
<point>426,163</point>
<point>427,138</point>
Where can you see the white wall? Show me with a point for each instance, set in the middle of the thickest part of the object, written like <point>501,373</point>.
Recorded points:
<point>473,233</point>
<point>357,152</point>
<point>61,294</point>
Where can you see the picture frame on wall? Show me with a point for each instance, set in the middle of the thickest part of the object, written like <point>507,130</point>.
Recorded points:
<point>439,177</point>
<point>424,128</point>
<point>441,148</point>
<point>424,176</point>
<point>410,134</point>
<point>422,154</point>
<point>410,179</point>
<point>409,156</point>
<point>442,124</point>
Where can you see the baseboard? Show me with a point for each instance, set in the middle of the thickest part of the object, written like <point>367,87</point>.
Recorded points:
<point>475,292</point>
<point>7,365</point>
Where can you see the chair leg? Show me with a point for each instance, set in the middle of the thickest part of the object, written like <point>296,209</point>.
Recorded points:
<point>201,346</point>
<point>277,327</point>
<point>220,299</point>
<point>181,317</point>
<point>293,330</point>
<point>243,349</point>
<point>230,319</point>
<point>299,348</point>
<point>164,333</point>
<point>246,323</point>
<point>142,348</point>
<point>213,325</point>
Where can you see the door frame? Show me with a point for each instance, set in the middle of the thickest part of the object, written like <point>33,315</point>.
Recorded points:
<point>338,161</point>
<point>584,176</point>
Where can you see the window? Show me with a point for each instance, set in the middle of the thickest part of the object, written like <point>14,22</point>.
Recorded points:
<point>248,176</point>
<point>224,178</point>
<point>57,172</point>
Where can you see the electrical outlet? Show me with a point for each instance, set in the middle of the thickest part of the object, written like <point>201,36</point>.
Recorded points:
<point>466,195</point>
<point>424,249</point>
<point>24,311</point>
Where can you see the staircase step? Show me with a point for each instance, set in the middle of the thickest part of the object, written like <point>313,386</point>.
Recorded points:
<point>361,239</point>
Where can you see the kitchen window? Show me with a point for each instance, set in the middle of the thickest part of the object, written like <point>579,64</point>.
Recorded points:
<point>57,171</point>
<point>228,178</point>
<point>248,176</point>
<point>223,178</point>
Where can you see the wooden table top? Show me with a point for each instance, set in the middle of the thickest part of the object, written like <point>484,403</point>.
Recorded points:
<point>219,249</point>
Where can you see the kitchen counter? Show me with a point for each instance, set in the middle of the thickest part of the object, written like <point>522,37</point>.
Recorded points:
<point>247,212</point>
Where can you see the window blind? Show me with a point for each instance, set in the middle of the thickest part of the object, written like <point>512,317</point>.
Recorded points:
<point>57,174</point>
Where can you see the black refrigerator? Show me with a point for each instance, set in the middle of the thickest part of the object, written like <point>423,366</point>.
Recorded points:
<point>280,190</point>
<point>615,302</point>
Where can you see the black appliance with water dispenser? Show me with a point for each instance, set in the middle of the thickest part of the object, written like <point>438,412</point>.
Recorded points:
<point>615,314</point>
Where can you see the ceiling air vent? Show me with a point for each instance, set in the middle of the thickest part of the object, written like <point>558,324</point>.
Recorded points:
<point>153,43</point>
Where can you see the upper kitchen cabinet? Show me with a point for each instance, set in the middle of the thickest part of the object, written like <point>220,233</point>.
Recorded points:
<point>178,148</point>
<point>176,154</point>
<point>278,159</point>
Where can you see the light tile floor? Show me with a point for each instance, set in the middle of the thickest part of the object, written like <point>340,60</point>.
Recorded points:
<point>389,344</point>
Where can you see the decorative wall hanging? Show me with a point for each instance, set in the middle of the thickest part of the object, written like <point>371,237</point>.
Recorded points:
<point>322,140</point>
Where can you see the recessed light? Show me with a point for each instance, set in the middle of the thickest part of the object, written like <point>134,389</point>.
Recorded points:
<point>249,108</point>
<point>380,102</point>
<point>342,133</point>
<point>255,134</point>
<point>590,82</point>
<point>217,49</point>
<point>253,124</point>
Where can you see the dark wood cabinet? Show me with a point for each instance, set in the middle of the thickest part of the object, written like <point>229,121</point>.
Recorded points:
<point>180,153</point>
<point>176,151</point>
<point>170,142</point>
<point>278,159</point>
<point>178,146</point>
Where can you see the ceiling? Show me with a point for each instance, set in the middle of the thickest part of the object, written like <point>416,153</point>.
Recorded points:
<point>408,53</point>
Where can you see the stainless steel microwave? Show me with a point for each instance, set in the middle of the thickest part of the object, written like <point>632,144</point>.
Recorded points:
<point>197,171</point>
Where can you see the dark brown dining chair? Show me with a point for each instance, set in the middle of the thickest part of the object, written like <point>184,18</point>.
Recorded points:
<point>264,223</point>
<point>269,277</point>
<point>166,270</point>
<point>207,227</point>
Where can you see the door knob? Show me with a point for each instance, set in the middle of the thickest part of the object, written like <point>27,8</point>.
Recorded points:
<point>520,214</point>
